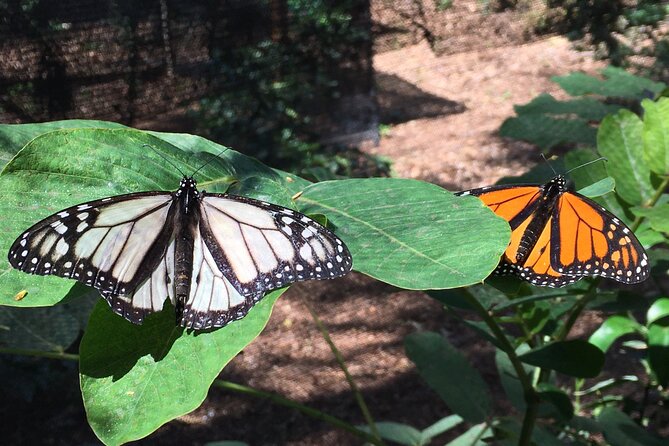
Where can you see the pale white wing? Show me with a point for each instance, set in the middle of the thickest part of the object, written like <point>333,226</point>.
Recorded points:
<point>259,246</point>
<point>113,244</point>
<point>213,301</point>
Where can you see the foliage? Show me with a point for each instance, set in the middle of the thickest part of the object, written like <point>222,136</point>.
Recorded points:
<point>272,91</point>
<point>623,32</point>
<point>542,369</point>
<point>127,378</point>
<point>404,232</point>
<point>552,124</point>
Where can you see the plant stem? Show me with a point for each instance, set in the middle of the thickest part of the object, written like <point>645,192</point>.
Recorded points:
<point>309,411</point>
<point>40,353</point>
<point>530,395</point>
<point>340,360</point>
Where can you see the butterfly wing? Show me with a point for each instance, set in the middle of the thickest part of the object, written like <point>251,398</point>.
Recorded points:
<point>249,248</point>
<point>117,245</point>
<point>589,240</point>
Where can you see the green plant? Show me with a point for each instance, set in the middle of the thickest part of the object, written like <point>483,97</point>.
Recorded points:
<point>543,370</point>
<point>129,380</point>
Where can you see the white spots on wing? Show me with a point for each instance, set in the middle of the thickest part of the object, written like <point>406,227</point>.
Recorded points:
<point>24,253</point>
<point>299,267</point>
<point>307,232</point>
<point>61,229</point>
<point>307,253</point>
<point>83,207</point>
<point>339,258</point>
<point>67,265</point>
<point>22,242</point>
<point>34,261</point>
<point>318,249</point>
<point>62,247</point>
<point>287,230</point>
<point>83,216</point>
<point>287,220</point>
<point>63,214</point>
<point>82,226</point>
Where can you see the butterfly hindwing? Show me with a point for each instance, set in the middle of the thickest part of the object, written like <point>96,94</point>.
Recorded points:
<point>591,241</point>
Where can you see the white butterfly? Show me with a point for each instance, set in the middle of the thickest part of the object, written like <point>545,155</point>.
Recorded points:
<point>213,255</point>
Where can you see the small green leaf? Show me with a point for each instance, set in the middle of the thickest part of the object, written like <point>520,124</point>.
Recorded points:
<point>658,352</point>
<point>135,378</point>
<point>656,135</point>
<point>611,329</point>
<point>620,140</point>
<point>448,373</point>
<point>600,188</point>
<point>658,216</point>
<point>658,311</point>
<point>438,428</point>
<point>574,358</point>
<point>558,400</point>
<point>397,432</point>
<point>620,430</point>
<point>477,435</point>
<point>408,233</point>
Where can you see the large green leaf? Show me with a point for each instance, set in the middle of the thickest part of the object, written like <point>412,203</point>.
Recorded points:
<point>448,373</point>
<point>14,137</point>
<point>656,135</point>
<point>589,109</point>
<point>574,358</point>
<point>62,168</point>
<point>658,216</point>
<point>135,378</point>
<point>620,140</point>
<point>409,233</point>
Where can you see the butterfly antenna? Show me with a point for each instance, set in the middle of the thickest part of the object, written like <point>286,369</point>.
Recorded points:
<point>165,158</point>
<point>548,162</point>
<point>586,164</point>
<point>210,160</point>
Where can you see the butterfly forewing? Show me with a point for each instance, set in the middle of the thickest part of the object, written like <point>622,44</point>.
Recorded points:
<point>110,244</point>
<point>260,246</point>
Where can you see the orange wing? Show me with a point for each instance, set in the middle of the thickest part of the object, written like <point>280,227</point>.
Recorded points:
<point>520,205</point>
<point>590,241</point>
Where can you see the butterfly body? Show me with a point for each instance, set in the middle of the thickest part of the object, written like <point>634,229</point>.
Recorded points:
<point>559,236</point>
<point>213,255</point>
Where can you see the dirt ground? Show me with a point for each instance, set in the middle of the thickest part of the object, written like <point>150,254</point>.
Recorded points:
<point>440,115</point>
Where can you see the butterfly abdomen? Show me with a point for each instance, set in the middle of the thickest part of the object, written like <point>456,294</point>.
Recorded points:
<point>539,219</point>
<point>185,230</point>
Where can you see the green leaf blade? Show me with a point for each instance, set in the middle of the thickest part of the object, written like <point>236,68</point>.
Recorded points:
<point>408,233</point>
<point>143,376</point>
<point>574,358</point>
<point>447,372</point>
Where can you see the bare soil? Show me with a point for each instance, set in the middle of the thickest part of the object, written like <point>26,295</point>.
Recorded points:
<point>442,113</point>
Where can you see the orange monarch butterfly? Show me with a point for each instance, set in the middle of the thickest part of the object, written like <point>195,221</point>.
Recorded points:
<point>558,236</point>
